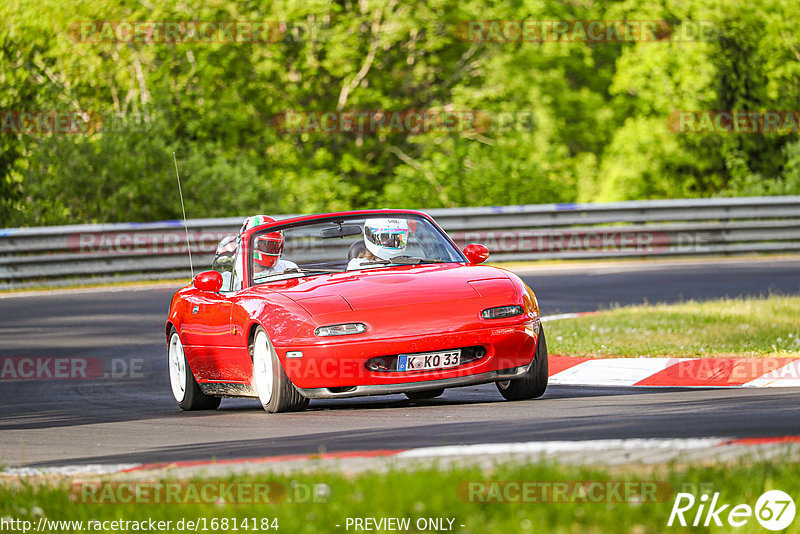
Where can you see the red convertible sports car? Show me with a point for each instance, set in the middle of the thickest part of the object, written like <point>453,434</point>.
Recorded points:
<point>349,304</point>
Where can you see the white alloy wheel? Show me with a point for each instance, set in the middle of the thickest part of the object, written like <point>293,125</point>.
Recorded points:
<point>185,388</point>
<point>275,391</point>
<point>177,367</point>
<point>263,371</point>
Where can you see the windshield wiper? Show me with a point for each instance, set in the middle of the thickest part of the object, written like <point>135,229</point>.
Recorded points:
<point>299,270</point>
<point>295,270</point>
<point>403,260</point>
<point>408,260</point>
<point>428,260</point>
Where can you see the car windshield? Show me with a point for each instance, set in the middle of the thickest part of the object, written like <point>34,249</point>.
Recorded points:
<point>340,244</point>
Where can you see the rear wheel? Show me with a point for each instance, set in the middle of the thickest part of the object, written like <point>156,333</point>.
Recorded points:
<point>275,391</point>
<point>422,395</point>
<point>184,386</point>
<point>534,382</point>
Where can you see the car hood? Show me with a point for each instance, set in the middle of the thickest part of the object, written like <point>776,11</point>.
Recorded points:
<point>395,286</point>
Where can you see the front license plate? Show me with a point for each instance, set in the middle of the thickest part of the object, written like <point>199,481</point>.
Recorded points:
<point>429,360</point>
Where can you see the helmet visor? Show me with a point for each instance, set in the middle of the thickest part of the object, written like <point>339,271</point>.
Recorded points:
<point>392,238</point>
<point>267,249</point>
<point>269,245</point>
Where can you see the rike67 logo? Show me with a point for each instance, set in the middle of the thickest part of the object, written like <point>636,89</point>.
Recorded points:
<point>774,510</point>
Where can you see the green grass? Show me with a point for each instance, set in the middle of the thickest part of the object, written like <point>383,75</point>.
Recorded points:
<point>435,493</point>
<point>763,327</point>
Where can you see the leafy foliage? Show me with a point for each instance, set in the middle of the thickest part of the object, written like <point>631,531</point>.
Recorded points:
<point>599,111</point>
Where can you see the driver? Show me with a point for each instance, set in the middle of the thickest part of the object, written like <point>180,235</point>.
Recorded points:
<point>384,239</point>
<point>267,248</point>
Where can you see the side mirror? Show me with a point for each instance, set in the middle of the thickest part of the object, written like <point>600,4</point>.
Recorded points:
<point>476,253</point>
<point>208,281</point>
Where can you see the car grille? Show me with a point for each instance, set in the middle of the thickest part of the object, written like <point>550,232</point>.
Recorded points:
<point>388,364</point>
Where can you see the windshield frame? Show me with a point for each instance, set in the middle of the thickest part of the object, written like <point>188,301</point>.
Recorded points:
<point>287,224</point>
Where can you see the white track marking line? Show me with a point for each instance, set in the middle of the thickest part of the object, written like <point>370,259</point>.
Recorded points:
<point>88,469</point>
<point>558,317</point>
<point>546,447</point>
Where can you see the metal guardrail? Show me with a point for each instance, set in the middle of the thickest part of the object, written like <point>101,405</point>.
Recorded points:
<point>60,255</point>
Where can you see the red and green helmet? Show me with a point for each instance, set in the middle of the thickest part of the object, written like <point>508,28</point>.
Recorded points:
<point>267,248</point>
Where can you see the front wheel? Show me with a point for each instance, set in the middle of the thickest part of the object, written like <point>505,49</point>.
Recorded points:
<point>534,382</point>
<point>275,391</point>
<point>184,386</point>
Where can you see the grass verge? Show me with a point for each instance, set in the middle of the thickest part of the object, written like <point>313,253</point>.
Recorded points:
<point>434,493</point>
<point>761,327</point>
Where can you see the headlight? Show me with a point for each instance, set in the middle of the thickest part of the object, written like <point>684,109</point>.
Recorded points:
<point>341,329</point>
<point>501,312</point>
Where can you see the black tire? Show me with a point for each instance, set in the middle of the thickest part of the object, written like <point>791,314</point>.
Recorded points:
<point>184,386</point>
<point>534,383</point>
<point>422,395</point>
<point>281,396</point>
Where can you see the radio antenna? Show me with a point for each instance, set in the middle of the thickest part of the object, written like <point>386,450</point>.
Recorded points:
<point>183,209</point>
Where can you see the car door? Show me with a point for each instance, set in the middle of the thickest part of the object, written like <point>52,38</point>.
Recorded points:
<point>208,334</point>
<point>238,363</point>
<point>211,335</point>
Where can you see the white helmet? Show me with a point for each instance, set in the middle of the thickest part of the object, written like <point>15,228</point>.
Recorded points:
<point>386,238</point>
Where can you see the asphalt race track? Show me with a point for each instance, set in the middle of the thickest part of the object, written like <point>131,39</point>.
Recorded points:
<point>133,418</point>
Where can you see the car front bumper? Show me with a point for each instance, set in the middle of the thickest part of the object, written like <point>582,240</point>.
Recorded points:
<point>340,364</point>
<point>388,389</point>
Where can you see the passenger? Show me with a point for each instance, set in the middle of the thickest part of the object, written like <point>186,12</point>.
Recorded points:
<point>384,239</point>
